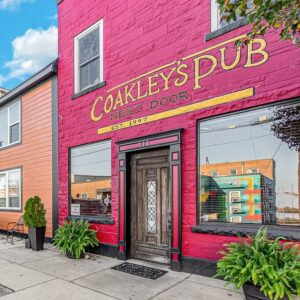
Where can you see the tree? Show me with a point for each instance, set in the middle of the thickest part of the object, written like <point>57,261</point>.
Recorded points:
<point>282,16</point>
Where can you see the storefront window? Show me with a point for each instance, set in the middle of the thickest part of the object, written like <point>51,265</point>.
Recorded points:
<point>249,167</point>
<point>91,179</point>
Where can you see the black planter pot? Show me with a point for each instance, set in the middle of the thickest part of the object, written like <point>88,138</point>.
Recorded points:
<point>71,256</point>
<point>37,237</point>
<point>253,293</point>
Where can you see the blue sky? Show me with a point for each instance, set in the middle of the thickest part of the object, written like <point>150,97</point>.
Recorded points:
<point>28,38</point>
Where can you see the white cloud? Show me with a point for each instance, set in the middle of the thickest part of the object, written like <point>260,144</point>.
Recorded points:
<point>31,52</point>
<point>54,17</point>
<point>12,4</point>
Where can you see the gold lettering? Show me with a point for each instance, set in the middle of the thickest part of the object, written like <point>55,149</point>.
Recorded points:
<point>93,116</point>
<point>139,96</point>
<point>109,99</point>
<point>119,100</point>
<point>261,50</point>
<point>166,78</point>
<point>185,75</point>
<point>236,61</point>
<point>153,85</point>
<point>199,76</point>
<point>128,93</point>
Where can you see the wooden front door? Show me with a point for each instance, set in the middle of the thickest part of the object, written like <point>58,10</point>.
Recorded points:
<point>150,211</point>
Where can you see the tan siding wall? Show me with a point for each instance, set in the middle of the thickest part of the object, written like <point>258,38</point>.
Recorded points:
<point>35,152</point>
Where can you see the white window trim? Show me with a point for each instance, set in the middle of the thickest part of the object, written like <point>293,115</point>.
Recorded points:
<point>11,124</point>
<point>230,196</point>
<point>239,219</point>
<point>76,54</point>
<point>235,206</point>
<point>7,200</point>
<point>214,16</point>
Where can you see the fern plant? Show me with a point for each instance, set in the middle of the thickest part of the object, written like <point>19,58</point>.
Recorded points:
<point>35,213</point>
<point>268,264</point>
<point>74,237</point>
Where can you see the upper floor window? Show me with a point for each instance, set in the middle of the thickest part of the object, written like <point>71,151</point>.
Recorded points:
<point>10,189</point>
<point>265,144</point>
<point>10,117</point>
<point>88,60</point>
<point>232,172</point>
<point>216,22</point>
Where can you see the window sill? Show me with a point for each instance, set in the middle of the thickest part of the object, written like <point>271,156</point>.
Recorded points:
<point>11,210</point>
<point>291,233</point>
<point>10,146</point>
<point>89,89</point>
<point>225,29</point>
<point>95,220</point>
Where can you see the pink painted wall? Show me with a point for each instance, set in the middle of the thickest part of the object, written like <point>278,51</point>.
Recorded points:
<point>142,35</point>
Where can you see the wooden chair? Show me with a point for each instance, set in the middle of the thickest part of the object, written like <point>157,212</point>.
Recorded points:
<point>15,228</point>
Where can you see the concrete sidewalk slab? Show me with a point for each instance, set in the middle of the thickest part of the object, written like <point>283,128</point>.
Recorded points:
<point>56,290</point>
<point>21,255</point>
<point>7,245</point>
<point>4,291</point>
<point>211,282</point>
<point>190,290</point>
<point>126,286</point>
<point>71,269</point>
<point>17,277</point>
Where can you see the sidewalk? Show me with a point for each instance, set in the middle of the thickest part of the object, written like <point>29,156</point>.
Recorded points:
<point>25,274</point>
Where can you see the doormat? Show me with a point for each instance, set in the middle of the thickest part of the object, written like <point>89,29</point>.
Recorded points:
<point>138,270</point>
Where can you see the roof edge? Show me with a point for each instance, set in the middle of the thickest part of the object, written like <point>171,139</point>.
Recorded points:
<point>35,79</point>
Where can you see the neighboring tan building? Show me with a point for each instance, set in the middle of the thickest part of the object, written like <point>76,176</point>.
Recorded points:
<point>28,147</point>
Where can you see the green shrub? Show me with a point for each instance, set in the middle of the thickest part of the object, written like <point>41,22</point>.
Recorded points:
<point>74,237</point>
<point>269,264</point>
<point>34,215</point>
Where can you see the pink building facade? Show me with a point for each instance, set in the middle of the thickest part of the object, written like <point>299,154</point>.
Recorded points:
<point>148,92</point>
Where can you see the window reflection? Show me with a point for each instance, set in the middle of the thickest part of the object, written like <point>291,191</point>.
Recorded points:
<point>249,167</point>
<point>91,179</point>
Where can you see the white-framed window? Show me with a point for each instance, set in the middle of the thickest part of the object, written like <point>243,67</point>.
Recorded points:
<point>88,57</point>
<point>233,172</point>
<point>10,125</point>
<point>234,196</point>
<point>252,171</point>
<point>10,189</point>
<point>236,209</point>
<point>216,22</point>
<point>236,219</point>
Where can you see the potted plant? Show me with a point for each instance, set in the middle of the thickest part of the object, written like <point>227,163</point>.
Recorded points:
<point>265,269</point>
<point>35,220</point>
<point>74,237</point>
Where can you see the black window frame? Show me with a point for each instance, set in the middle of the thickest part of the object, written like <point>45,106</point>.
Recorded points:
<point>103,219</point>
<point>290,232</point>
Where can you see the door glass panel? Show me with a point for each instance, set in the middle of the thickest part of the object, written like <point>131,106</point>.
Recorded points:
<point>151,206</point>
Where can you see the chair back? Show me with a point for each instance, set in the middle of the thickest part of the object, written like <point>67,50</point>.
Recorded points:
<point>20,221</point>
